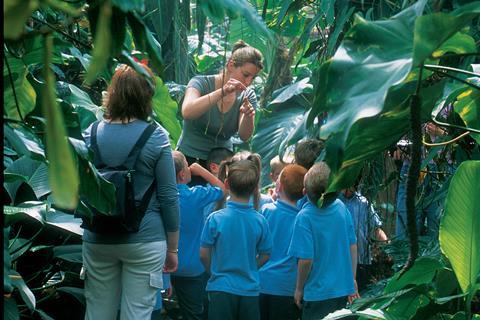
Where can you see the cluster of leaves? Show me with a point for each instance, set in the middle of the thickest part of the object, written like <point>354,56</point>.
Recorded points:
<point>59,58</point>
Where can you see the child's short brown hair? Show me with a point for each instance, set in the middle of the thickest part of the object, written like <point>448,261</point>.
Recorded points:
<point>316,181</point>
<point>243,177</point>
<point>291,179</point>
<point>307,151</point>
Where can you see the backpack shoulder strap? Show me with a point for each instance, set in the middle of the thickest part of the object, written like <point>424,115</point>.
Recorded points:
<point>97,158</point>
<point>135,152</point>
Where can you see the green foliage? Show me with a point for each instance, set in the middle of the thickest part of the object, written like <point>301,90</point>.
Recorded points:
<point>281,123</point>
<point>460,225</point>
<point>382,52</point>
<point>165,109</point>
<point>468,108</point>
<point>63,177</point>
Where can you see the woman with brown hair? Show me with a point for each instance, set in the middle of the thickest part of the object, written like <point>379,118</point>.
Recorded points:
<point>126,269</point>
<point>216,107</point>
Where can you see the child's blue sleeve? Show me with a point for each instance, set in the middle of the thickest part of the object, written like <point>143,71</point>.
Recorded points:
<point>352,238</point>
<point>265,244</point>
<point>301,245</point>
<point>209,232</point>
<point>203,196</point>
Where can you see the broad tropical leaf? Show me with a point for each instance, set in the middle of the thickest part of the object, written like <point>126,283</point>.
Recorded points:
<point>468,108</point>
<point>422,272</point>
<point>88,112</point>
<point>64,221</point>
<point>31,209</point>
<point>24,141</point>
<point>63,177</point>
<point>166,111</point>
<point>217,9</point>
<point>15,15</point>
<point>281,123</point>
<point>25,95</point>
<point>35,174</point>
<point>26,294</point>
<point>432,30</point>
<point>460,224</point>
<point>103,43</point>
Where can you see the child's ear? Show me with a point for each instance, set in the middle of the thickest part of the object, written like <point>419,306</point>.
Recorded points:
<point>227,184</point>
<point>214,168</point>
<point>304,191</point>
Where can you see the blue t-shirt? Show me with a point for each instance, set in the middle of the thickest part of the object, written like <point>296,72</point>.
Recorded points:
<point>325,235</point>
<point>279,274</point>
<point>236,235</point>
<point>192,203</point>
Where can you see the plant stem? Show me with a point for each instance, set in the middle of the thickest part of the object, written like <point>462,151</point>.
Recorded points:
<point>413,174</point>
<point>13,87</point>
<point>85,45</point>
<point>446,142</point>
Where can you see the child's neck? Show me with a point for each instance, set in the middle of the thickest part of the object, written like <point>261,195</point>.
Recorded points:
<point>285,199</point>
<point>239,199</point>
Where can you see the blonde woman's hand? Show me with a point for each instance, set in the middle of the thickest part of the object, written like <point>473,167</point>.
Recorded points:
<point>233,85</point>
<point>247,108</point>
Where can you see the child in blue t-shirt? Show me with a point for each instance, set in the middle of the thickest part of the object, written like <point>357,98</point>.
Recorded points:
<point>324,243</point>
<point>278,275</point>
<point>190,279</point>
<point>235,243</point>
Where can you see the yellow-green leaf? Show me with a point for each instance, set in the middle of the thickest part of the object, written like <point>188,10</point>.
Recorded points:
<point>15,14</point>
<point>460,224</point>
<point>102,43</point>
<point>166,111</point>
<point>62,171</point>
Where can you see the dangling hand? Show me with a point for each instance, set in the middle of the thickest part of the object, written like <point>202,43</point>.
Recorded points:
<point>247,108</point>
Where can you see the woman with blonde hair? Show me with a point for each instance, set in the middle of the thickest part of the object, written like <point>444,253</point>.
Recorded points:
<point>216,107</point>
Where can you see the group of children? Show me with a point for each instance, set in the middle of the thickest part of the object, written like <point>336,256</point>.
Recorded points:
<point>244,255</point>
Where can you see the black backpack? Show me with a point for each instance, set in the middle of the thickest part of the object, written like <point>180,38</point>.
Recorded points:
<point>126,215</point>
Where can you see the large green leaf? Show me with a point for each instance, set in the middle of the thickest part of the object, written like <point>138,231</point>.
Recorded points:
<point>15,14</point>
<point>432,30</point>
<point>130,5</point>
<point>468,108</point>
<point>374,56</point>
<point>370,136</point>
<point>7,262</point>
<point>10,309</point>
<point>24,95</point>
<point>281,123</point>
<point>64,221</point>
<point>71,253</point>
<point>102,43</point>
<point>35,172</point>
<point>218,9</point>
<point>166,111</point>
<point>24,141</point>
<point>408,304</point>
<point>460,224</point>
<point>31,209</point>
<point>88,112</point>
<point>63,176</point>
<point>26,294</point>
<point>422,272</point>
<point>146,42</point>
<point>365,314</point>
<point>355,87</point>
<point>94,189</point>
